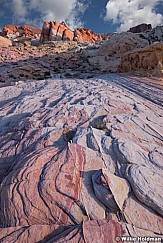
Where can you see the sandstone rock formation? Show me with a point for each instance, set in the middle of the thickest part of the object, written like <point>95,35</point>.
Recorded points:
<point>52,31</point>
<point>81,161</point>
<point>86,35</point>
<point>140,28</point>
<point>124,52</point>
<point>25,61</point>
<point>121,43</point>
<point>108,56</point>
<point>148,59</point>
<point>4,42</point>
<point>13,31</point>
<point>129,52</point>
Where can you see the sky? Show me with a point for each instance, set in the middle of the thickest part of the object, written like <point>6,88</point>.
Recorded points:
<point>101,16</point>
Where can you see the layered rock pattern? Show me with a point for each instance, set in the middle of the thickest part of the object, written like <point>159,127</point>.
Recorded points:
<point>14,31</point>
<point>149,59</point>
<point>52,31</point>
<point>81,161</point>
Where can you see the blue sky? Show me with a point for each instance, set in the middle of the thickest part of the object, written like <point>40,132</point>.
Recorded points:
<point>102,16</point>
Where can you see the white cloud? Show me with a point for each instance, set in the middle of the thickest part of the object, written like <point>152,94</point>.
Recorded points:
<point>19,8</point>
<point>129,13</point>
<point>49,10</point>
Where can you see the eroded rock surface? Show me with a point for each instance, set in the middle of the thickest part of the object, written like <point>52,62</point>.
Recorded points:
<point>148,59</point>
<point>81,161</point>
<point>108,56</point>
<point>65,59</point>
<point>131,53</point>
<point>14,31</point>
<point>55,31</point>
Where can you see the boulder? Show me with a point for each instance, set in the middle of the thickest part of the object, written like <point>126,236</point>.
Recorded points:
<point>120,43</point>
<point>153,35</point>
<point>55,31</point>
<point>10,31</point>
<point>4,42</point>
<point>140,28</point>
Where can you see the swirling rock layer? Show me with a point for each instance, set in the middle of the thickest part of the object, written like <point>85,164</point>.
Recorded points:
<point>81,161</point>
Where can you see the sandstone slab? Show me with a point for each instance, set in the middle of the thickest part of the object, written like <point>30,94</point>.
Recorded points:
<point>81,160</point>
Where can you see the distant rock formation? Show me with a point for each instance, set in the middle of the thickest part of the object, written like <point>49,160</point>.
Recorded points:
<point>4,42</point>
<point>14,31</point>
<point>140,28</point>
<point>55,31</point>
<point>86,35</point>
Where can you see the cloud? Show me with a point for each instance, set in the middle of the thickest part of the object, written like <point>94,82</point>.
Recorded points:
<point>19,8</point>
<point>31,11</point>
<point>129,13</point>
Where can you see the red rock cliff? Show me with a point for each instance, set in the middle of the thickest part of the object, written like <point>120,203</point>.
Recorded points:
<point>13,31</point>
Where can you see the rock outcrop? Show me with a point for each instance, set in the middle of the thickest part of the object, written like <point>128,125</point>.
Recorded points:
<point>57,58</point>
<point>81,161</point>
<point>80,152</point>
<point>140,28</point>
<point>54,31</point>
<point>130,52</point>
<point>108,56</point>
<point>4,42</point>
<point>148,59</point>
<point>86,35</point>
<point>13,31</point>
<point>155,35</point>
